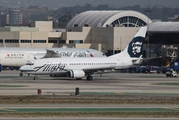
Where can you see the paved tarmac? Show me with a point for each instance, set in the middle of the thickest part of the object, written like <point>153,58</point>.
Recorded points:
<point>114,83</point>
<point>13,84</point>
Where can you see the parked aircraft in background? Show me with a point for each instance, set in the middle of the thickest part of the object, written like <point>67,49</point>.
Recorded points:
<point>14,60</point>
<point>84,67</point>
<point>63,52</point>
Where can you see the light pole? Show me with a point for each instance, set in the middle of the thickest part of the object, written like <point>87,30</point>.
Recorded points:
<point>67,13</point>
<point>148,11</point>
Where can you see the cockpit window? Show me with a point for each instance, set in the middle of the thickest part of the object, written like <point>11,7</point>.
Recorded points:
<point>29,63</point>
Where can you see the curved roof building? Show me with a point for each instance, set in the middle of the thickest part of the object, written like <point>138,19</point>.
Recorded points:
<point>122,18</point>
<point>164,27</point>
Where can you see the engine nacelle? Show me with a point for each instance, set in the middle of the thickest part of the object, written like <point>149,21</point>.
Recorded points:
<point>76,73</point>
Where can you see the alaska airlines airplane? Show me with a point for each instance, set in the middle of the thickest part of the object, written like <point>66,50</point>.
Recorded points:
<point>15,60</point>
<point>63,52</point>
<point>84,67</point>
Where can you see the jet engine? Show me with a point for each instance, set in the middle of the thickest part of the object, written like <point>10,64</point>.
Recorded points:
<point>76,73</point>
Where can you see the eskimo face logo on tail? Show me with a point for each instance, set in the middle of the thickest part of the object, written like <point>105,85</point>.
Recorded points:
<point>135,47</point>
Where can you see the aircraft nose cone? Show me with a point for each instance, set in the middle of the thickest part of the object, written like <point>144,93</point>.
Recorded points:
<point>22,68</point>
<point>26,69</point>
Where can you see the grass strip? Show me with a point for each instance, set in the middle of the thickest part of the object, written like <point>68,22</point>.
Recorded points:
<point>100,99</point>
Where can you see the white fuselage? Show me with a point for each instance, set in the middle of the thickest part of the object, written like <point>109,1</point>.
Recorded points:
<point>63,52</point>
<point>85,67</point>
<point>57,65</point>
<point>14,59</point>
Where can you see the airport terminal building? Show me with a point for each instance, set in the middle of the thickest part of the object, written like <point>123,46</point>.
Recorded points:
<point>106,31</point>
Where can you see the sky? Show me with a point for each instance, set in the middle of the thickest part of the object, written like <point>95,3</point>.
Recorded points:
<point>112,3</point>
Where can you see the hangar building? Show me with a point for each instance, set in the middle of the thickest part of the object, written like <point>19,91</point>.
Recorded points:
<point>164,41</point>
<point>107,31</point>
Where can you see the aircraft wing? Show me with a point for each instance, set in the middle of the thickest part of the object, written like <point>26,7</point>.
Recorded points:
<point>87,71</point>
<point>51,54</point>
<point>99,70</point>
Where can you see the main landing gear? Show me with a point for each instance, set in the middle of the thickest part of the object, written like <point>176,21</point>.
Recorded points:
<point>89,77</point>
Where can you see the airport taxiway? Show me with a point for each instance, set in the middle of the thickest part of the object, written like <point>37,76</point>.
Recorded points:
<point>13,84</point>
<point>112,83</point>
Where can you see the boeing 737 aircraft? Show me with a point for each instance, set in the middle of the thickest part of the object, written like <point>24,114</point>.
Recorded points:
<point>84,67</point>
<point>63,52</point>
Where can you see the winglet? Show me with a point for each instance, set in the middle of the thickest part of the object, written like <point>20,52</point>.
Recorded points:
<point>51,54</point>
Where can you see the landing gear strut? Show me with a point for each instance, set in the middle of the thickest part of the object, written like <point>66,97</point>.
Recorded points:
<point>89,77</point>
<point>35,78</point>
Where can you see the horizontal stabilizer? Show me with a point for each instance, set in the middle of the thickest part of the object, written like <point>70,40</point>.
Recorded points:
<point>138,61</point>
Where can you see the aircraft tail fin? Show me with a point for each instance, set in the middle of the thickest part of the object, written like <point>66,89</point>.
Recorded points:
<point>91,55</point>
<point>134,48</point>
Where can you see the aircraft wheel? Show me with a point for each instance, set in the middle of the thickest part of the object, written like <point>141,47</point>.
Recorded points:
<point>89,78</point>
<point>35,78</point>
<point>21,74</point>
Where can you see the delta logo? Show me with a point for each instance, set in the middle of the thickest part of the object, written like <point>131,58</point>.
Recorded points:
<point>8,55</point>
<point>15,55</point>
